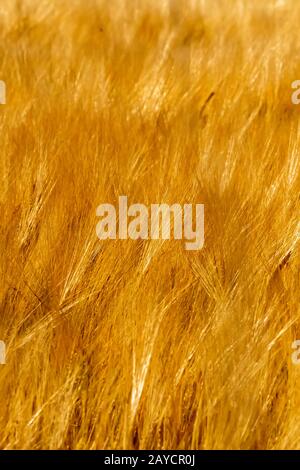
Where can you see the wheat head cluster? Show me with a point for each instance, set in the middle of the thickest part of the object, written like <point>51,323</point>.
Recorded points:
<point>140,344</point>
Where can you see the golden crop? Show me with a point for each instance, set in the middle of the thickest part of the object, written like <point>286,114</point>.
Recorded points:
<point>134,344</point>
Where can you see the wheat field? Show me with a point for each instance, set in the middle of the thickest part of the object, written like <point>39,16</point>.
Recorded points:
<point>124,344</point>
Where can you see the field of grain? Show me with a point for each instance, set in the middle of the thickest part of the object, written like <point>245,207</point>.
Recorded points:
<point>124,344</point>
